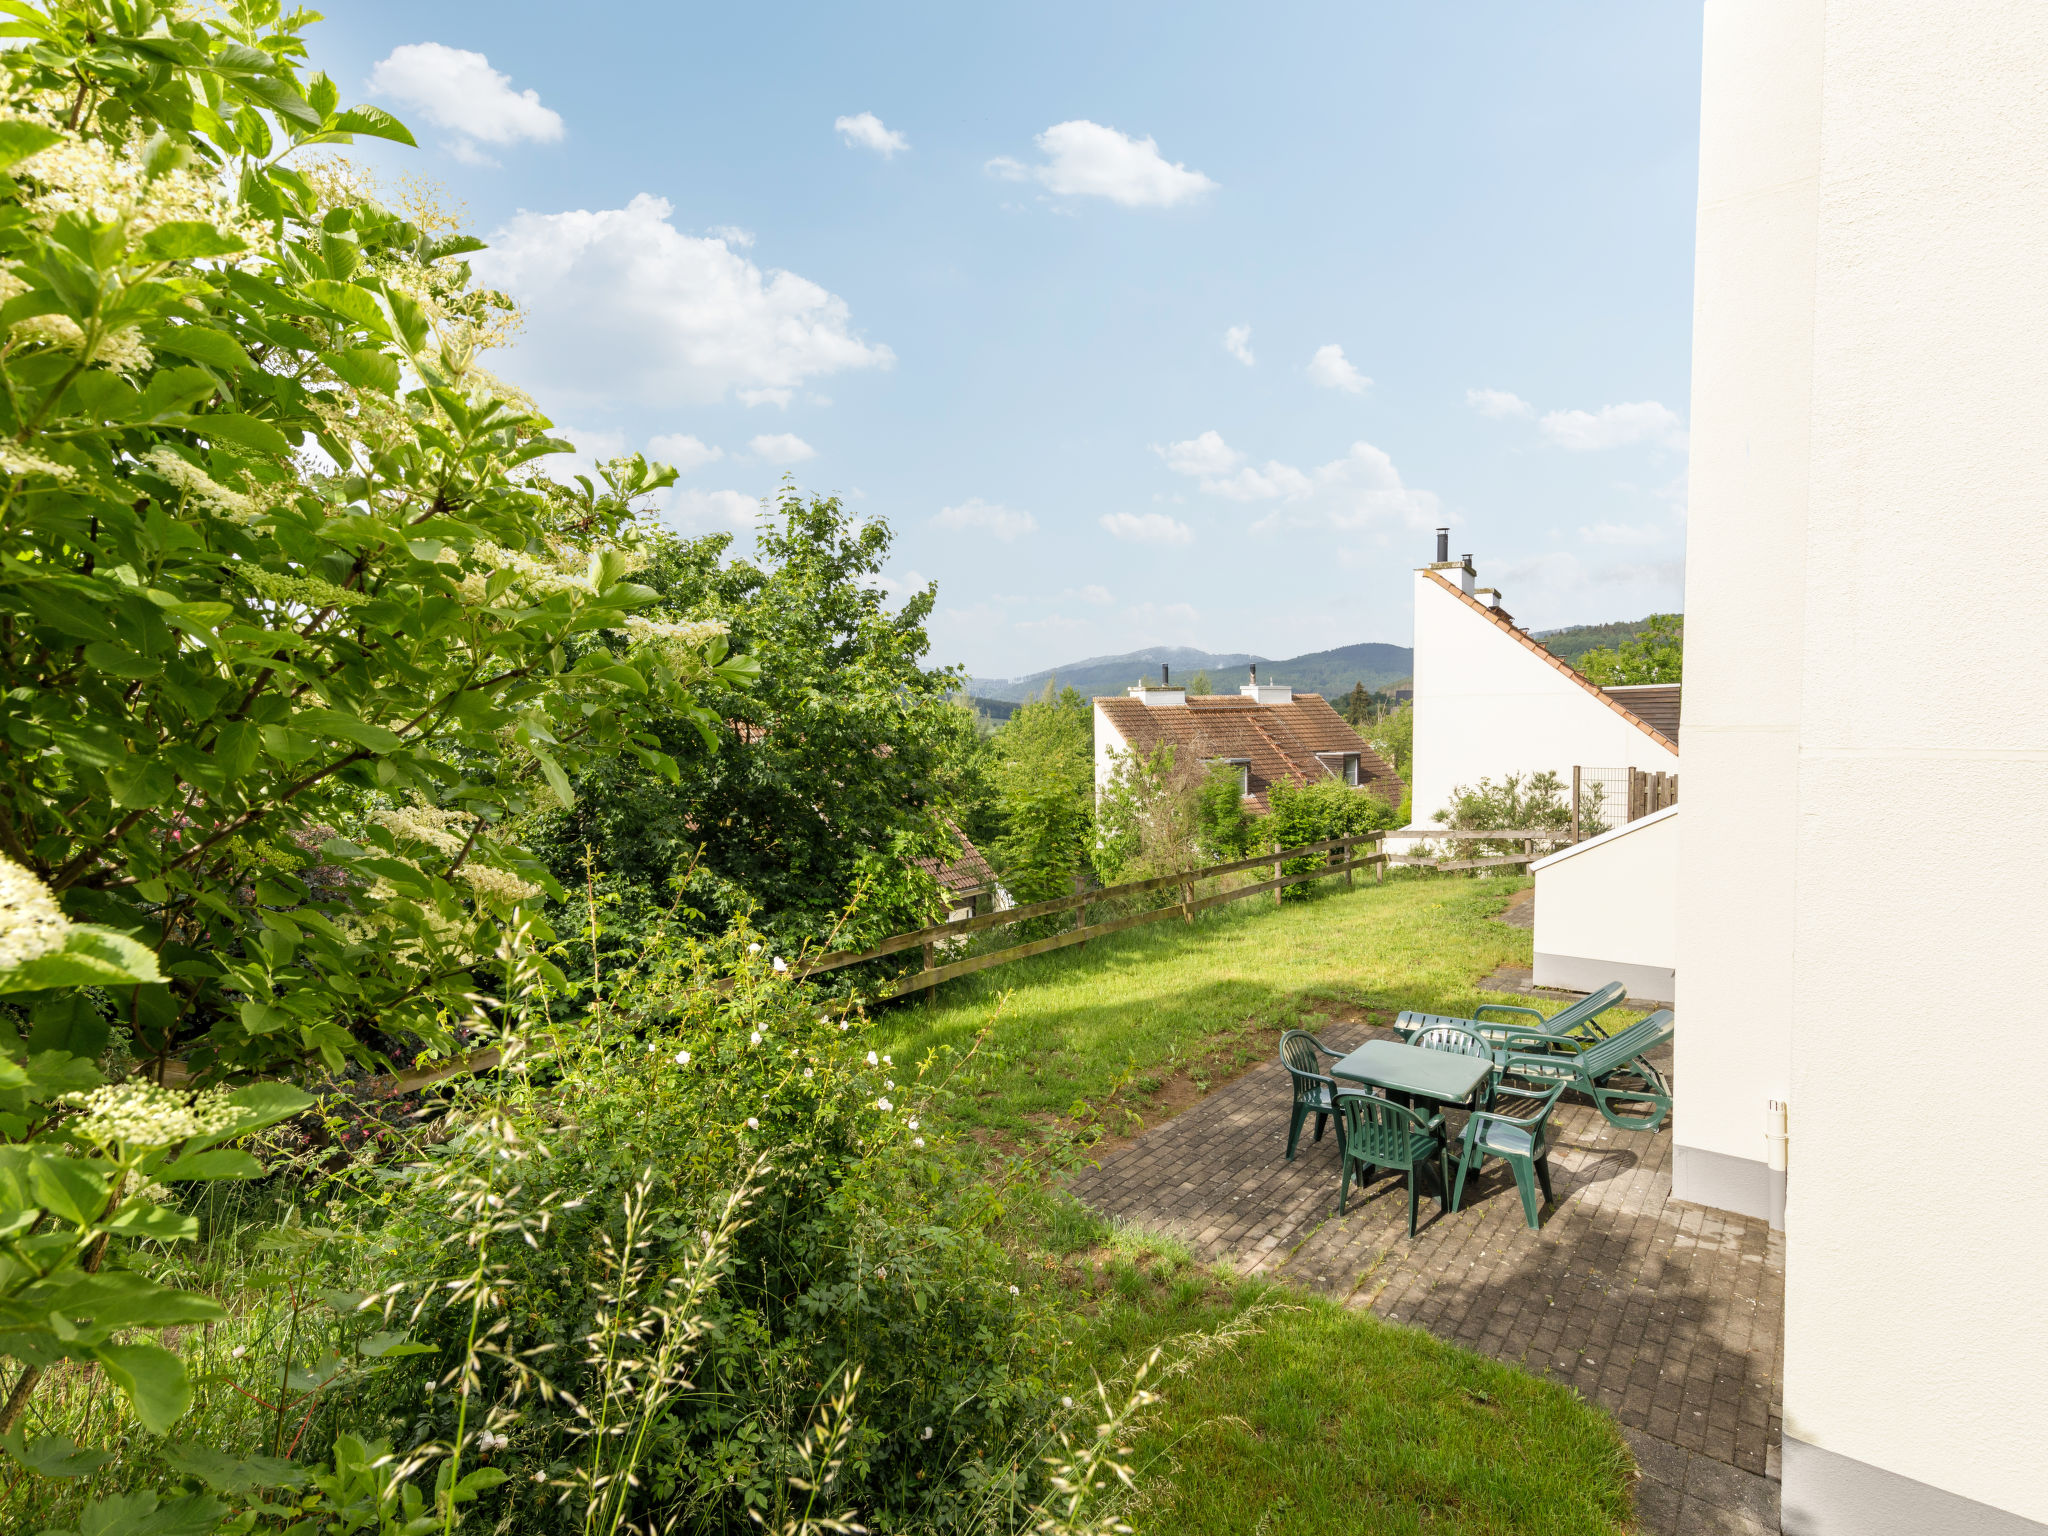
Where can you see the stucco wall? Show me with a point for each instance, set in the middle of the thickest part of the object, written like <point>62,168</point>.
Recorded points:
<point>1606,910</point>
<point>1914,1275</point>
<point>1486,706</point>
<point>1109,746</point>
<point>1745,585</point>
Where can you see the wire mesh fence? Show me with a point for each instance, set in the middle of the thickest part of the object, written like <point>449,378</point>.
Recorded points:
<point>1606,798</point>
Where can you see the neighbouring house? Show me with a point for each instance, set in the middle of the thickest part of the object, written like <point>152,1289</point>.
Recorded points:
<point>1270,735</point>
<point>967,882</point>
<point>1868,509</point>
<point>1491,701</point>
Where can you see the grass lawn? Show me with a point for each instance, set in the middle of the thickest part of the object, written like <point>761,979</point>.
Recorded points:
<point>1318,1420</point>
<point>1106,1037</point>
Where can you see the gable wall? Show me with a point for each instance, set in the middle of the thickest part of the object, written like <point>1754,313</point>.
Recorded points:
<point>1486,705</point>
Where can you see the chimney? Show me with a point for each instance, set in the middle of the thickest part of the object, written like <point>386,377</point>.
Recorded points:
<point>1443,546</point>
<point>1166,693</point>
<point>1162,674</point>
<point>1255,672</point>
<point>1266,695</point>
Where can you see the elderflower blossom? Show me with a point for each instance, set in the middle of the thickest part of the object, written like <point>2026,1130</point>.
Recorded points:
<point>499,885</point>
<point>79,175</point>
<point>428,824</point>
<point>140,1113</point>
<point>197,484</point>
<point>540,577</point>
<point>675,643</point>
<point>31,923</point>
<point>303,591</point>
<point>16,460</point>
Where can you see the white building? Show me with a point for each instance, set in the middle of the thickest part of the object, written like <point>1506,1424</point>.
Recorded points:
<point>1862,889</point>
<point>1491,701</point>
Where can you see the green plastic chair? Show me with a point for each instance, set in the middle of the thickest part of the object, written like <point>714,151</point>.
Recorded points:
<point>1520,1139</point>
<point>1384,1133</point>
<point>1580,1020</point>
<point>1630,1094</point>
<point>1301,1053</point>
<point>1459,1041</point>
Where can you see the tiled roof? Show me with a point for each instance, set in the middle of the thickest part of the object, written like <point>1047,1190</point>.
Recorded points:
<point>1279,740</point>
<point>963,876</point>
<point>1502,621</point>
<point>1654,703</point>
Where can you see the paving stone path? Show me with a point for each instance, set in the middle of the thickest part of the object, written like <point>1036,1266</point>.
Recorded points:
<point>1667,1315</point>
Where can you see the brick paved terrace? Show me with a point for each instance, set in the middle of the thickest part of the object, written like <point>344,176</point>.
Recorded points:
<point>1667,1315</point>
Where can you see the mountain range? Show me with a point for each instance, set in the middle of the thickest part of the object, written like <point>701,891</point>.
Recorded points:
<point>1330,673</point>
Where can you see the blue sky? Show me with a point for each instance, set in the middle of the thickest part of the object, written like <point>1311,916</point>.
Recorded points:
<point>1141,324</point>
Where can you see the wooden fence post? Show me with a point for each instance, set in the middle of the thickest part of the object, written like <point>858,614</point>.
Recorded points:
<point>1350,861</point>
<point>931,963</point>
<point>1575,802</point>
<point>1279,894</point>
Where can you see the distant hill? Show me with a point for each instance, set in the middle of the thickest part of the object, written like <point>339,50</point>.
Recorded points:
<point>1330,673</point>
<point>1570,644</point>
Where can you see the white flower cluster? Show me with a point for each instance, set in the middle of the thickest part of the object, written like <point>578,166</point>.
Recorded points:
<point>305,591</point>
<point>84,176</point>
<point>499,885</point>
<point>538,576</point>
<point>427,824</point>
<point>139,1113</point>
<point>31,923</point>
<point>677,644</point>
<point>16,460</point>
<point>198,484</point>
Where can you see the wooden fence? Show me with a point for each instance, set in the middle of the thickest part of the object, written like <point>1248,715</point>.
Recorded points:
<point>941,936</point>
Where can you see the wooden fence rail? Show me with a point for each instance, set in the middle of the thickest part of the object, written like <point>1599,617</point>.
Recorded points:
<point>947,934</point>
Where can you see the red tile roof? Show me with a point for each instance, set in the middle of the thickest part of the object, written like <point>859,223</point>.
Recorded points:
<point>1500,620</point>
<point>1280,741</point>
<point>962,876</point>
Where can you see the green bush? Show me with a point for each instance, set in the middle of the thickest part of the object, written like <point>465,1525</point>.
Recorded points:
<point>1316,813</point>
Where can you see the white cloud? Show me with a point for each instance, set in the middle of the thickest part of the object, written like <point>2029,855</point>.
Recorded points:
<point>705,511</point>
<point>776,397</point>
<point>865,131</point>
<point>1331,369</point>
<point>732,235</point>
<point>1559,588</point>
<point>621,304</point>
<point>1498,403</point>
<point>683,451</point>
<point>1237,341</point>
<point>1099,596</point>
<point>1084,159</point>
<point>1615,426</point>
<point>1005,523</point>
<point>781,448</point>
<point>1346,494</point>
<point>1148,528</point>
<point>458,90</point>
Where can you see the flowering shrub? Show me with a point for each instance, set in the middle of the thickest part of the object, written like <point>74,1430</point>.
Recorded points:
<point>273,550</point>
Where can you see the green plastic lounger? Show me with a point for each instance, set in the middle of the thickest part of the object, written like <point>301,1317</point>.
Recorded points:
<point>1578,1021</point>
<point>1613,1072</point>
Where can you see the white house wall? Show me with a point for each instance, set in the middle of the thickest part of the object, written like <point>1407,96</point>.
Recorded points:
<point>1606,910</point>
<point>1909,865</point>
<point>1487,706</point>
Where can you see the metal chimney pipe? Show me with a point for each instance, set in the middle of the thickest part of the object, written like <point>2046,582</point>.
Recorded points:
<point>1255,674</point>
<point>1468,562</point>
<point>1443,546</point>
<point>1162,674</point>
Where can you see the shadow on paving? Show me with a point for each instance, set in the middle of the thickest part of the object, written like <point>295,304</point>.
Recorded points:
<point>1667,1315</point>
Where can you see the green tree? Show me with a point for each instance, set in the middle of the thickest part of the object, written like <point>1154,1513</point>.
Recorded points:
<point>1393,737</point>
<point>821,780</point>
<point>1228,830</point>
<point>1656,655</point>
<point>1315,813</point>
<point>1357,709</point>
<point>1199,686</point>
<point>1044,777</point>
<point>267,717</point>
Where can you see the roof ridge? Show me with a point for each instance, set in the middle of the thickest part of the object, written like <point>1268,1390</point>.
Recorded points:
<point>1570,671</point>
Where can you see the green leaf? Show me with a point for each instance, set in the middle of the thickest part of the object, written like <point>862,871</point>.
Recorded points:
<point>232,427</point>
<point>280,98</point>
<point>333,723</point>
<point>143,1514</point>
<point>365,368</point>
<point>154,1380</point>
<point>350,302</point>
<point>221,1163</point>
<point>52,1455</point>
<point>144,1218</point>
<point>67,1187</point>
<point>236,1474</point>
<point>558,781</point>
<point>203,344</point>
<point>374,121</point>
<point>408,319</point>
<point>262,1018</point>
<point>19,140</point>
<point>187,240</point>
<point>391,1346</point>
<point>481,1480</point>
<point>120,661</point>
<point>140,783</point>
<point>91,957</point>
<point>55,1067</point>
<point>260,1104</point>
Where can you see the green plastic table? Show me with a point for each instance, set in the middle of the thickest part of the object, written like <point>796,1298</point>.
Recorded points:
<point>1445,1076</point>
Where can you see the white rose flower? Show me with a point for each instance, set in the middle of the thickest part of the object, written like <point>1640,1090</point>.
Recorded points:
<point>871,1058</point>
<point>917,1141</point>
<point>753,949</point>
<point>913,1125</point>
<point>1013,1290</point>
<point>807,1073</point>
<point>682,1058</point>
<point>779,965</point>
<point>753,1124</point>
<point>1066,1402</point>
<point>927,1433</point>
<point>754,1038</point>
<point>884,1105</point>
<point>238,1351</point>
